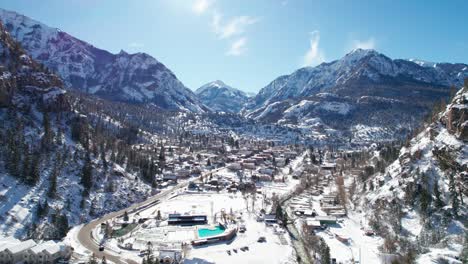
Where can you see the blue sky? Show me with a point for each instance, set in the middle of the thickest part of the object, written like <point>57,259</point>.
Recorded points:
<point>248,43</point>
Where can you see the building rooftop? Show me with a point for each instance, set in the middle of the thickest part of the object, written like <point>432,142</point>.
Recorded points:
<point>24,245</point>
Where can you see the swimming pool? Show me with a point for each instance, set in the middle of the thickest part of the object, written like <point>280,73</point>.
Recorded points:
<point>208,232</point>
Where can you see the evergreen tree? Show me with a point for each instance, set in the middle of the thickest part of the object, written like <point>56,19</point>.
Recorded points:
<point>48,137</point>
<point>464,253</point>
<point>438,200</point>
<point>61,223</point>
<point>53,182</point>
<point>93,259</point>
<point>34,174</point>
<point>162,157</point>
<point>149,258</point>
<point>87,173</point>
<point>103,158</point>
<point>453,194</point>
<point>26,163</point>
<point>42,209</point>
<point>324,251</point>
<point>424,197</point>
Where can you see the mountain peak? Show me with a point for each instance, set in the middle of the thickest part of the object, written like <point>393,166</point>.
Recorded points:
<point>123,52</point>
<point>221,97</point>
<point>357,54</point>
<point>218,83</point>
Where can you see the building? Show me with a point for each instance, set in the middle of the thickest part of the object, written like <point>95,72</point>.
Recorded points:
<point>270,218</point>
<point>328,166</point>
<point>326,219</point>
<point>48,252</point>
<point>178,219</point>
<point>170,256</point>
<point>183,173</point>
<point>313,224</point>
<point>13,252</point>
<point>249,165</point>
<point>267,171</point>
<point>234,166</point>
<point>169,176</point>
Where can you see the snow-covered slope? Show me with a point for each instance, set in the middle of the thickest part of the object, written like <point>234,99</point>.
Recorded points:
<point>419,203</point>
<point>44,147</point>
<point>222,98</point>
<point>125,77</point>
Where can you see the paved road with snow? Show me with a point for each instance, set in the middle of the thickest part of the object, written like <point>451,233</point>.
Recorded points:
<point>85,236</point>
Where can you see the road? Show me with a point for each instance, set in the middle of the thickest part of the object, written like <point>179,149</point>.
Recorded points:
<point>85,233</point>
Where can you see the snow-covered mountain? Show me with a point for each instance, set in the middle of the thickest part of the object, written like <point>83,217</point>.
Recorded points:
<point>124,77</point>
<point>362,88</point>
<point>419,202</point>
<point>359,65</point>
<point>49,180</point>
<point>222,98</point>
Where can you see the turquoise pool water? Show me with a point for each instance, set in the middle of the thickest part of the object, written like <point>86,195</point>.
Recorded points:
<point>207,232</point>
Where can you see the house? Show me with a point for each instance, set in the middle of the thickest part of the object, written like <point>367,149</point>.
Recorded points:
<point>183,173</point>
<point>281,162</point>
<point>270,218</point>
<point>313,224</point>
<point>267,171</point>
<point>249,165</point>
<point>290,154</point>
<point>326,219</point>
<point>259,160</point>
<point>328,166</point>
<point>48,252</point>
<point>168,256</point>
<point>234,166</point>
<point>262,177</point>
<point>245,153</point>
<point>178,219</point>
<point>169,176</point>
<point>13,252</point>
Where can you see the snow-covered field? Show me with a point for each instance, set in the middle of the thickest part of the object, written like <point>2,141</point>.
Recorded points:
<point>275,250</point>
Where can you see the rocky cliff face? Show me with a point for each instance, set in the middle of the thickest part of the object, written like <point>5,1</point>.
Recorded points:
<point>24,81</point>
<point>456,117</point>
<point>419,201</point>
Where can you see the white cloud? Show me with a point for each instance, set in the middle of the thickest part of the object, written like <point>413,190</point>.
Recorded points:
<point>238,47</point>
<point>201,6</point>
<point>233,27</point>
<point>364,44</point>
<point>314,54</point>
<point>135,45</point>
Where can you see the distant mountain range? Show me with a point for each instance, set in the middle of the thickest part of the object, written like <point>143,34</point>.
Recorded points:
<point>364,87</point>
<point>222,98</point>
<point>125,77</point>
<point>363,91</point>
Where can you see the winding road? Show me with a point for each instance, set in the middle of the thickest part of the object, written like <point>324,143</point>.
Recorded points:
<point>85,236</point>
